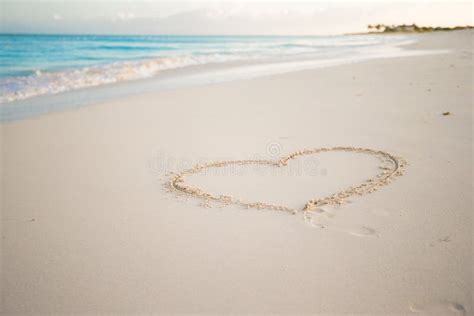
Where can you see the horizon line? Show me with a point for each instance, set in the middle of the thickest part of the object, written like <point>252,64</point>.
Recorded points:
<point>162,34</point>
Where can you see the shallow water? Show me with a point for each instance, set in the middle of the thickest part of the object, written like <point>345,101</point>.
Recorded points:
<point>34,65</point>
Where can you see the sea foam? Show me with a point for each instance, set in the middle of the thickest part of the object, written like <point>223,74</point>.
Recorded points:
<point>34,65</point>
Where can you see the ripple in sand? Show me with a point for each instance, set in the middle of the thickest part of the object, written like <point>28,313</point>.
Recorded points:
<point>363,231</point>
<point>438,308</point>
<point>326,223</point>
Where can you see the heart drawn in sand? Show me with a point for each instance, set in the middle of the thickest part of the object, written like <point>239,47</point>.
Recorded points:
<point>390,166</point>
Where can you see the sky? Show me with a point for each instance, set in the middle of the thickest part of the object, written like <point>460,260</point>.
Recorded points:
<point>223,17</point>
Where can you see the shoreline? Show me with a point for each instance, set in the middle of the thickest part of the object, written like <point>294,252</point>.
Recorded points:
<point>193,75</point>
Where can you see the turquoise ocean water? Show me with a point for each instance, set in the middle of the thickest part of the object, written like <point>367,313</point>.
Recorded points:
<point>47,73</point>
<point>36,65</point>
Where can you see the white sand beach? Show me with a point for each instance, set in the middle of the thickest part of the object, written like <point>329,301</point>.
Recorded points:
<point>88,226</point>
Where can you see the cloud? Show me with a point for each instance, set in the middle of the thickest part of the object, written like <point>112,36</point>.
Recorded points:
<point>259,11</point>
<point>125,15</point>
<point>219,18</point>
